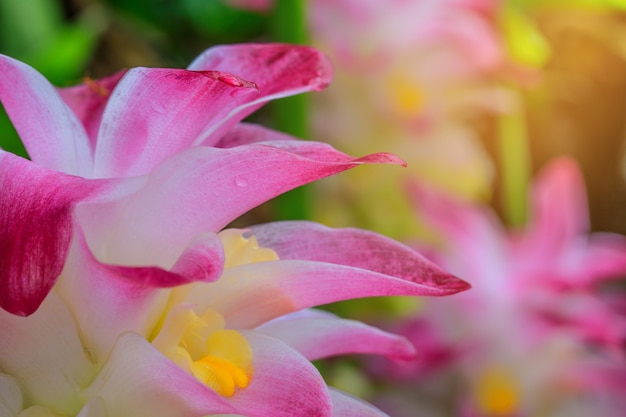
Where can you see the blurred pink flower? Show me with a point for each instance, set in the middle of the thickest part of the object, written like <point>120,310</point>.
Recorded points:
<point>136,302</point>
<point>540,333</point>
<point>412,77</point>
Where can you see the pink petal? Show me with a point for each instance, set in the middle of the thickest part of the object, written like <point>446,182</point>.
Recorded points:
<point>604,256</point>
<point>155,112</point>
<point>49,129</point>
<point>345,405</point>
<point>45,355</point>
<point>468,230</point>
<point>435,351</point>
<point>300,240</point>
<point>35,230</point>
<point>588,317</point>
<point>326,335</point>
<point>207,188</point>
<point>89,100</point>
<point>284,383</point>
<point>138,380</point>
<point>586,261</point>
<point>250,295</point>
<point>128,296</point>
<point>559,204</point>
<point>247,133</point>
<point>279,70</point>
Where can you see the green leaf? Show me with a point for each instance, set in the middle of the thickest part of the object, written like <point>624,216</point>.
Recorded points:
<point>9,139</point>
<point>216,20</point>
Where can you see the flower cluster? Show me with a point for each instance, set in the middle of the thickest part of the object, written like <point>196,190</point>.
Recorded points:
<point>123,294</point>
<point>542,331</point>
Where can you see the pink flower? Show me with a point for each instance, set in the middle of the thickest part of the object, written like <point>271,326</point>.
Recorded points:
<point>539,334</point>
<point>136,302</point>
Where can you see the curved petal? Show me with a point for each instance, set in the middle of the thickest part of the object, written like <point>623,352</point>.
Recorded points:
<point>603,257</point>
<point>138,380</point>
<point>279,70</point>
<point>207,188</point>
<point>49,129</point>
<point>45,355</point>
<point>10,396</point>
<point>88,101</point>
<point>247,133</point>
<point>284,383</point>
<point>94,408</point>
<point>35,229</point>
<point>155,112</point>
<point>559,209</point>
<point>345,405</point>
<point>302,240</point>
<point>252,294</point>
<point>128,297</point>
<point>323,336</point>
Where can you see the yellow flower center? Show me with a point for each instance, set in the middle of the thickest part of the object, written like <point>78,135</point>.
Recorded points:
<point>240,250</point>
<point>406,96</point>
<point>497,392</point>
<point>218,357</point>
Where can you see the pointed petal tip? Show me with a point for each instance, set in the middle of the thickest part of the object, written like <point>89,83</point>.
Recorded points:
<point>450,284</point>
<point>298,65</point>
<point>459,285</point>
<point>562,170</point>
<point>382,158</point>
<point>21,309</point>
<point>446,284</point>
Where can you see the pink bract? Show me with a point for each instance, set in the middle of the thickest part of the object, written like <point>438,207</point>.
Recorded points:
<point>114,225</point>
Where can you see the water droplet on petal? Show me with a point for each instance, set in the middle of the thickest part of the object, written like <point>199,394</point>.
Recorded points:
<point>238,92</point>
<point>241,182</point>
<point>230,79</point>
<point>319,81</point>
<point>158,107</point>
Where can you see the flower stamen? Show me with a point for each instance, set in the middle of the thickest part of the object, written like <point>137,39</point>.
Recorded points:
<point>219,358</point>
<point>497,392</point>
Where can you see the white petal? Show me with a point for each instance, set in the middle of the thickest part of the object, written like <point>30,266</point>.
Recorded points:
<point>10,396</point>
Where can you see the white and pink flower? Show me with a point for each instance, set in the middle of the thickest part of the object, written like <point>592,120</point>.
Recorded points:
<point>123,295</point>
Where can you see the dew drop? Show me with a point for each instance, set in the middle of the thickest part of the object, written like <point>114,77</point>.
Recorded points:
<point>231,80</point>
<point>238,92</point>
<point>317,83</point>
<point>240,182</point>
<point>158,107</point>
